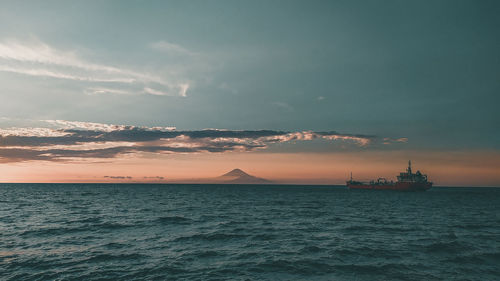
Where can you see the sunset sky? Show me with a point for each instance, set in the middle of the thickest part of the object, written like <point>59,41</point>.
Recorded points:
<point>292,91</point>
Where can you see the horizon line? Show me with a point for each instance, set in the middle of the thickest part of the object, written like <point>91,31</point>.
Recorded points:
<point>254,184</point>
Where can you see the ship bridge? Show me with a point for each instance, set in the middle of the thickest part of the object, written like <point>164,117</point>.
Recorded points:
<point>409,176</point>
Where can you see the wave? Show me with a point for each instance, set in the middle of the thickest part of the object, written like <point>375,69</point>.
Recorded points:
<point>173,220</point>
<point>447,247</point>
<point>476,258</point>
<point>116,245</point>
<point>81,228</point>
<point>385,271</point>
<point>264,237</point>
<point>211,237</point>
<point>302,266</point>
<point>382,228</point>
<point>206,254</point>
<point>49,231</point>
<point>367,252</point>
<point>105,257</point>
<point>311,249</point>
<point>90,220</point>
<point>113,226</point>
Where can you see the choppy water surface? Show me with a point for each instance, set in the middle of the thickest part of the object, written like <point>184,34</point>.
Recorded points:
<point>210,232</point>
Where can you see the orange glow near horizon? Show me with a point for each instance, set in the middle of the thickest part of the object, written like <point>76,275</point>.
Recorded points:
<point>473,168</point>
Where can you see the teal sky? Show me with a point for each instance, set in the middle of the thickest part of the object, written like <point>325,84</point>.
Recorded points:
<point>428,71</point>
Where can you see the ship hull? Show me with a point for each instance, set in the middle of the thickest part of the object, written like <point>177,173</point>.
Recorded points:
<point>399,186</point>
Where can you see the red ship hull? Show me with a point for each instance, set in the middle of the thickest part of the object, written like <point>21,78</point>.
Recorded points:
<point>400,186</point>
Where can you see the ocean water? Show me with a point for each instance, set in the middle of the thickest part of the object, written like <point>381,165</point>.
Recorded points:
<point>243,232</point>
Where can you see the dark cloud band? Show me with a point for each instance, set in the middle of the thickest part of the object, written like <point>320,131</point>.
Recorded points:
<point>71,144</point>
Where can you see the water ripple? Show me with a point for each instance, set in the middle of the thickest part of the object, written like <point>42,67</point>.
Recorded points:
<point>210,232</point>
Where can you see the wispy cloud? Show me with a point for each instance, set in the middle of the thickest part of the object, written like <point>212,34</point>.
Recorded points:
<point>283,105</point>
<point>119,177</point>
<point>391,141</point>
<point>102,90</point>
<point>171,48</point>
<point>36,58</point>
<point>155,178</point>
<point>74,140</point>
<point>64,125</point>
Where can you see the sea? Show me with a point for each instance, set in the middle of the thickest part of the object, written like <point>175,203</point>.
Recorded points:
<point>246,232</point>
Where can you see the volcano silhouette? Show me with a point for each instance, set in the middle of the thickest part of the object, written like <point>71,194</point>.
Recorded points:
<point>238,176</point>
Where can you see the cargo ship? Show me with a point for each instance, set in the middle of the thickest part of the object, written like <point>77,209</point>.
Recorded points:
<point>407,181</point>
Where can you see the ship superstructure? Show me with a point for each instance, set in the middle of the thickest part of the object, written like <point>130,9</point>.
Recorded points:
<point>407,181</point>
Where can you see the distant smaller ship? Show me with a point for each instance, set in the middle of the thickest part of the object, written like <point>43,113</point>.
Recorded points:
<point>407,181</point>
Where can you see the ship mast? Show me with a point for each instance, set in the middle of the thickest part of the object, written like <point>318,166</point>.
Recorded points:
<point>409,167</point>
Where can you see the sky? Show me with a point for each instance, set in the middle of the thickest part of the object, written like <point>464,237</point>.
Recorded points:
<point>293,91</point>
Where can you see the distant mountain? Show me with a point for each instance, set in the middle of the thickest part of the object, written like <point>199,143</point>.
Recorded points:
<point>238,176</point>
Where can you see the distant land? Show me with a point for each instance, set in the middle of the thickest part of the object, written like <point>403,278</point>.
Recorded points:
<point>239,176</point>
<point>235,176</point>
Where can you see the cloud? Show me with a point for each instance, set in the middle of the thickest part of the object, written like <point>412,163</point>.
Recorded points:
<point>119,177</point>
<point>183,89</point>
<point>61,75</point>
<point>102,90</point>
<point>155,178</point>
<point>171,48</point>
<point>42,60</point>
<point>79,141</point>
<point>148,90</point>
<point>391,141</point>
<point>283,105</point>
